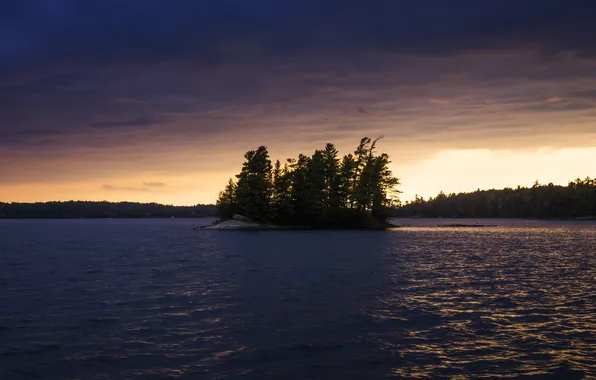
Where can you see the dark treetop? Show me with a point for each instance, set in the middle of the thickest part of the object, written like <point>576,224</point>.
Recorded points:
<point>318,191</point>
<point>576,200</point>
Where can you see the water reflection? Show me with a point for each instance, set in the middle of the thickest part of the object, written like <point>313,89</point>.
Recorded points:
<point>152,300</point>
<point>499,302</point>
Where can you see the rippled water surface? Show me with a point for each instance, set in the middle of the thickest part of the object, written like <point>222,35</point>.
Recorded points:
<point>150,299</point>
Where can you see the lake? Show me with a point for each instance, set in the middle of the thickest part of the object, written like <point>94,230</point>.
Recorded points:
<point>151,299</point>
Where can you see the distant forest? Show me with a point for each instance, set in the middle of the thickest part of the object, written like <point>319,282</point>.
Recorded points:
<point>322,190</point>
<point>576,200</point>
<point>82,209</point>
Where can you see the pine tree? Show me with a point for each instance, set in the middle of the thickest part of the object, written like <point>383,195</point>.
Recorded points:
<point>361,155</point>
<point>332,176</point>
<point>366,175</point>
<point>383,185</point>
<point>281,202</point>
<point>300,188</point>
<point>347,175</point>
<point>315,190</point>
<point>226,201</point>
<point>254,188</point>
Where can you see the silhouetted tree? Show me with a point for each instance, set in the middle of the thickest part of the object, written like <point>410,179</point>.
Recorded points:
<point>281,202</point>
<point>383,187</point>
<point>254,188</point>
<point>347,178</point>
<point>576,200</point>
<point>226,201</point>
<point>300,190</point>
<point>360,183</point>
<point>332,177</point>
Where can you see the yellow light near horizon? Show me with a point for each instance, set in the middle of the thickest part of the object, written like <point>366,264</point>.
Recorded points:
<point>448,170</point>
<point>454,171</point>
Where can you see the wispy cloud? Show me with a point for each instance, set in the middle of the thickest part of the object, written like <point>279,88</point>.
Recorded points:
<point>144,187</point>
<point>136,122</point>
<point>124,188</point>
<point>440,102</point>
<point>154,184</point>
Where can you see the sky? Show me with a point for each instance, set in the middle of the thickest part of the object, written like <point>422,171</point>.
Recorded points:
<point>157,100</point>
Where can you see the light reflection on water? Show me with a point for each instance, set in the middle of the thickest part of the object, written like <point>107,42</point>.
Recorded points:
<point>150,299</point>
<point>495,301</point>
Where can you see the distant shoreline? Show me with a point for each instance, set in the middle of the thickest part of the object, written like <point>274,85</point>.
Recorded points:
<point>101,210</point>
<point>575,201</point>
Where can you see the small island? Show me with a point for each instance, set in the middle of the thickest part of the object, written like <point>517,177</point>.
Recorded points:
<point>321,191</point>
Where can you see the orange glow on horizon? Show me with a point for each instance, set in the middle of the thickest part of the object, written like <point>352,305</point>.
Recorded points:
<point>448,170</point>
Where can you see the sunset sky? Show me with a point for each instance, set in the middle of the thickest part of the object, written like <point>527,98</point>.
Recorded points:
<point>157,100</point>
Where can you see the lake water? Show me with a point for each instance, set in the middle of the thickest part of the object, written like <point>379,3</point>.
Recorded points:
<point>150,299</point>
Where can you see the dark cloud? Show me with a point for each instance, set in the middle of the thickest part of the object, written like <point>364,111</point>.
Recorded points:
<point>127,86</point>
<point>137,122</point>
<point>71,32</point>
<point>10,137</point>
<point>559,106</point>
<point>589,94</point>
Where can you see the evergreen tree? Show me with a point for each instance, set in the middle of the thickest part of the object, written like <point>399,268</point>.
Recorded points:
<point>332,177</point>
<point>281,203</point>
<point>361,156</point>
<point>301,188</point>
<point>347,177</point>
<point>367,174</point>
<point>384,187</point>
<point>254,188</point>
<point>226,201</point>
<point>316,189</point>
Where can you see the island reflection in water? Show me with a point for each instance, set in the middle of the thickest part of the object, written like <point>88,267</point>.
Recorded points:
<point>150,299</point>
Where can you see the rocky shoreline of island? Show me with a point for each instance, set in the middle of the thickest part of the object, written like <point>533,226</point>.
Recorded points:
<point>242,223</point>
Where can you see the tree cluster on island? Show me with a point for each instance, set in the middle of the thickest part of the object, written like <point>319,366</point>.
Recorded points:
<point>87,209</point>
<point>323,190</point>
<point>577,200</point>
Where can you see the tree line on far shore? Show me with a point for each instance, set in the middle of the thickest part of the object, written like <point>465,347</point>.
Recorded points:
<point>84,209</point>
<point>325,190</point>
<point>322,190</point>
<point>576,200</point>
